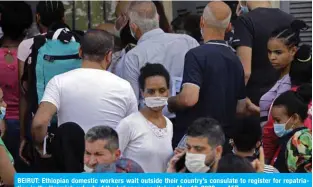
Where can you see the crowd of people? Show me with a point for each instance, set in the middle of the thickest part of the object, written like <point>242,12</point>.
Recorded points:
<point>211,93</point>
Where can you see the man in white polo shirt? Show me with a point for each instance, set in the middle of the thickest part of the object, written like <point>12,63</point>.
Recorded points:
<point>89,96</point>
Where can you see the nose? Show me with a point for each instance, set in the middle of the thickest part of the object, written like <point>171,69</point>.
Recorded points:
<point>272,56</point>
<point>93,161</point>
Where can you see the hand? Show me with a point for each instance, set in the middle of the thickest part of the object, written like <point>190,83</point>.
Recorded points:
<point>171,165</point>
<point>258,164</point>
<point>2,128</point>
<point>23,142</point>
<point>178,150</point>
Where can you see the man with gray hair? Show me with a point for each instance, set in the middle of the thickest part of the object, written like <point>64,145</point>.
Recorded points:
<point>102,153</point>
<point>213,82</point>
<point>154,46</point>
<point>88,96</point>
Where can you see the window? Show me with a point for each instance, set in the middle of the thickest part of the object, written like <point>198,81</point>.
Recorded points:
<point>82,15</point>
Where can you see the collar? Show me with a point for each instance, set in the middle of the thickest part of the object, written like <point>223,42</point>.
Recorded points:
<point>217,41</point>
<point>150,34</point>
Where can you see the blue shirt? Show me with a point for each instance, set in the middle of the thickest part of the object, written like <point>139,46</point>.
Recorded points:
<point>219,74</point>
<point>156,46</point>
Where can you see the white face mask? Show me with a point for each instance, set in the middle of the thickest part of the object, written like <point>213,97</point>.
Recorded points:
<point>88,169</point>
<point>195,163</point>
<point>153,102</point>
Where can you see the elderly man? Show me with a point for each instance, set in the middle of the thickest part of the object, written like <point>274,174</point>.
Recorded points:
<point>213,82</point>
<point>154,46</point>
<point>102,153</point>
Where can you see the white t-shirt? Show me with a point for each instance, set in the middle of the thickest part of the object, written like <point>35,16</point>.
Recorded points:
<point>24,49</point>
<point>90,97</point>
<point>145,143</point>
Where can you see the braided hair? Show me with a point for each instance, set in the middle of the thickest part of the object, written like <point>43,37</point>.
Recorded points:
<point>50,12</point>
<point>301,66</point>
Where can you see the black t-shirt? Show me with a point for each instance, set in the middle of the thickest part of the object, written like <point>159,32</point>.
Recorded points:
<point>216,69</point>
<point>253,30</point>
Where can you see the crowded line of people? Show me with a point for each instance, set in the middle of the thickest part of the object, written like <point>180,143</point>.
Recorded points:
<point>160,101</point>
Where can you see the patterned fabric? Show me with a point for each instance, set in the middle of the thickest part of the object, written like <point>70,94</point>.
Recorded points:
<point>123,165</point>
<point>299,151</point>
<point>281,86</point>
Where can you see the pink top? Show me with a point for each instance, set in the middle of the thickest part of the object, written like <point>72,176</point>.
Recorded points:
<point>9,82</point>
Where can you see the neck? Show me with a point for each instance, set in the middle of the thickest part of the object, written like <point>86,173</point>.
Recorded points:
<point>43,29</point>
<point>92,65</point>
<point>244,154</point>
<point>151,114</point>
<point>285,71</point>
<point>213,34</point>
<point>10,43</point>
<point>260,4</point>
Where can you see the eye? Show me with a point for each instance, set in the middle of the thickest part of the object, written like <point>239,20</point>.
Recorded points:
<point>87,153</point>
<point>151,91</point>
<point>162,90</point>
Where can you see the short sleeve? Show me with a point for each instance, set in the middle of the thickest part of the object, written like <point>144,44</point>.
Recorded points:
<point>243,32</point>
<point>132,103</point>
<point>24,49</point>
<point>241,85</point>
<point>52,93</point>
<point>192,70</point>
<point>124,134</point>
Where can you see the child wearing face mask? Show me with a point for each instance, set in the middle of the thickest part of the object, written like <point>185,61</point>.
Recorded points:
<point>289,111</point>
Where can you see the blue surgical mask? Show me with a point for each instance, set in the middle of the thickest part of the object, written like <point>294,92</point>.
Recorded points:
<point>280,129</point>
<point>244,9</point>
<point>2,112</point>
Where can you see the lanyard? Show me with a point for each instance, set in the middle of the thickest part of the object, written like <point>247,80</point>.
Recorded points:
<point>222,44</point>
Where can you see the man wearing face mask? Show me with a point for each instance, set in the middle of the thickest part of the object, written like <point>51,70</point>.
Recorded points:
<point>251,37</point>
<point>88,96</point>
<point>154,46</point>
<point>102,153</point>
<point>205,140</point>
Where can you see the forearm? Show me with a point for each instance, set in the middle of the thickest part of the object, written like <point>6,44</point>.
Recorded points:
<point>174,104</point>
<point>39,131</point>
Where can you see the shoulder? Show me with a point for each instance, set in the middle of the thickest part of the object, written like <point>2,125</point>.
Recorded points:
<point>132,118</point>
<point>168,122</point>
<point>270,169</point>
<point>26,43</point>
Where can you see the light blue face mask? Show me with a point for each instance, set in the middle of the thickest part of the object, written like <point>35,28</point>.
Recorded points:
<point>2,112</point>
<point>280,129</point>
<point>244,9</point>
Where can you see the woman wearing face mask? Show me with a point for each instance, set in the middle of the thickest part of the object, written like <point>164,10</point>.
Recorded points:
<point>6,160</point>
<point>289,110</point>
<point>146,136</point>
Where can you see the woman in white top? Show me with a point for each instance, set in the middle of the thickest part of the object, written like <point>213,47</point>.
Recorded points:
<point>146,136</point>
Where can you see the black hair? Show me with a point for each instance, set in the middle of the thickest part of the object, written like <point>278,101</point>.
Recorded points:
<point>231,163</point>
<point>16,18</point>
<point>126,37</point>
<point>248,133</point>
<point>50,12</point>
<point>301,67</point>
<point>189,23</point>
<point>150,70</point>
<point>96,44</point>
<point>296,102</point>
<point>207,128</point>
<point>291,34</point>
<point>103,133</point>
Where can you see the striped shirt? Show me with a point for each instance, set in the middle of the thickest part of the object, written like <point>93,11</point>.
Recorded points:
<point>270,169</point>
<point>281,86</point>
